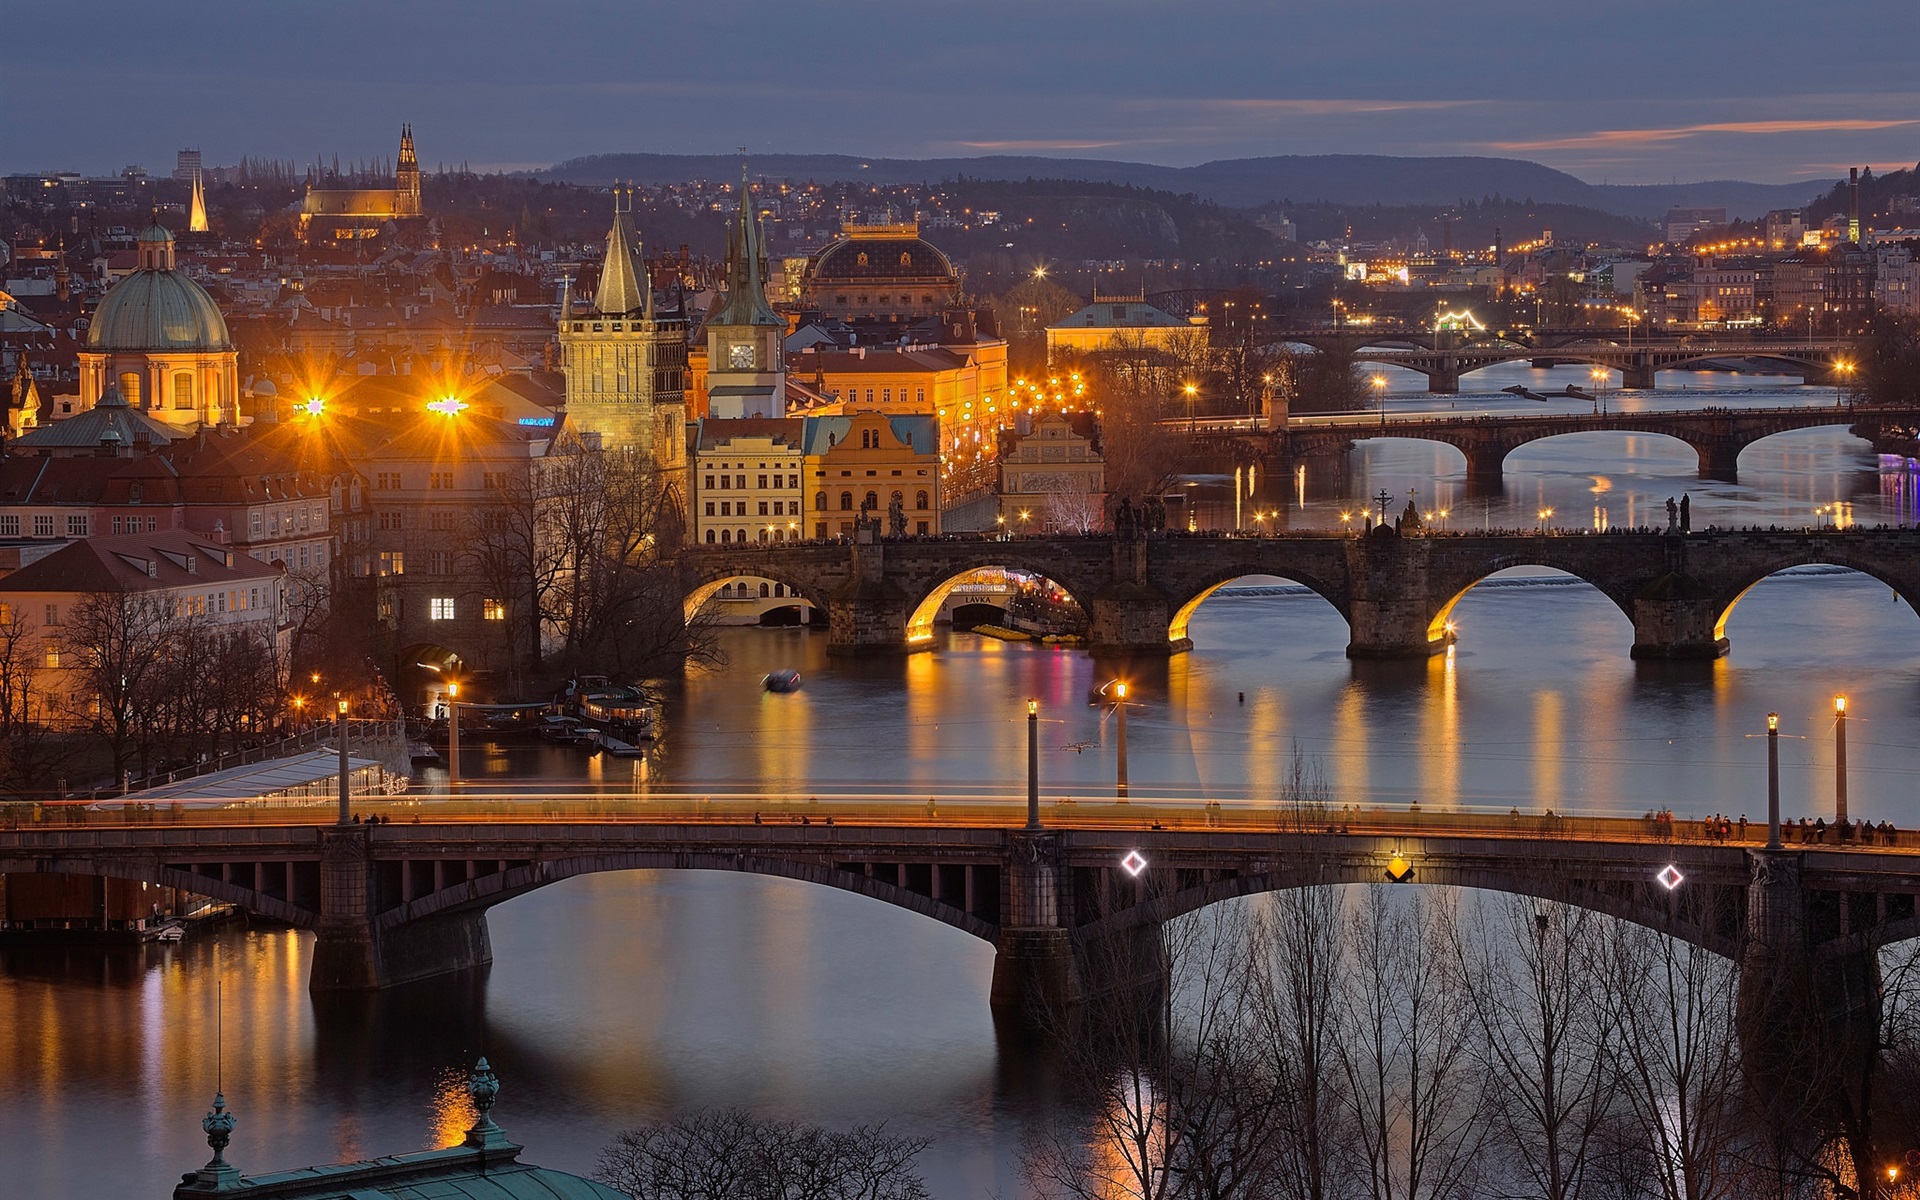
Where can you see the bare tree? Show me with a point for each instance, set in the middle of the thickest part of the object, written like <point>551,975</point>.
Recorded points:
<point>1411,1081</point>
<point>29,751</point>
<point>1539,989</point>
<point>117,643</point>
<point>1301,1022</point>
<point>1680,1061</point>
<point>1075,509</point>
<point>729,1154</point>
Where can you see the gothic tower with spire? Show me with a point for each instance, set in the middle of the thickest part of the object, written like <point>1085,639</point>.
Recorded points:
<point>406,177</point>
<point>197,210</point>
<point>625,359</point>
<point>746,363</point>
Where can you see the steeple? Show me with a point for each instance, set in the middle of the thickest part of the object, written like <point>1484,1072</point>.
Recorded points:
<point>197,212</point>
<point>621,290</point>
<point>746,302</point>
<point>406,177</point>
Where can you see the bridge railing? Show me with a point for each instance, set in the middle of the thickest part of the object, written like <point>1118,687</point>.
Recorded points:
<point>318,734</point>
<point>854,812</point>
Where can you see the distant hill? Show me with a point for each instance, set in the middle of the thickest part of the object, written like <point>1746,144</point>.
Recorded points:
<point>1238,183</point>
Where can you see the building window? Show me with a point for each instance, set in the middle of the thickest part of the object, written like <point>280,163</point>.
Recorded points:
<point>710,537</point>
<point>793,481</point>
<point>846,501</point>
<point>886,395</point>
<point>819,502</point>
<point>709,508</point>
<point>393,562</point>
<point>43,525</point>
<point>387,481</point>
<point>440,608</point>
<point>820,529</point>
<point>919,395</point>
<point>53,656</point>
<point>183,390</point>
<point>440,520</point>
<point>389,518</point>
<point>726,508</point>
<point>726,481</point>
<point>53,614</point>
<point>763,481</point>
<point>920,501</point>
<point>440,480</point>
<point>763,508</point>
<point>9,526</point>
<point>920,527</point>
<point>872,502</point>
<point>709,481</point>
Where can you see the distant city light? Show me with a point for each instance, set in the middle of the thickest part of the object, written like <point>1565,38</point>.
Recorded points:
<point>1134,863</point>
<point>451,406</point>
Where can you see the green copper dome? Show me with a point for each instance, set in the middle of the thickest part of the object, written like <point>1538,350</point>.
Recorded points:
<point>158,310</point>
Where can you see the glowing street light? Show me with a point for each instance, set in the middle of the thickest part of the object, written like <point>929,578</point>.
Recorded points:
<point>340,736</point>
<point>314,406</point>
<point>1120,707</point>
<point>1379,383</point>
<point>1033,764</point>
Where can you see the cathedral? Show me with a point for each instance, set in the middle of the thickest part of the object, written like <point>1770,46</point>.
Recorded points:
<point>625,358</point>
<point>344,214</point>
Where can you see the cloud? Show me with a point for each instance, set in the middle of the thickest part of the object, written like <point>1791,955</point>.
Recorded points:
<point>1646,137</point>
<point>1326,106</point>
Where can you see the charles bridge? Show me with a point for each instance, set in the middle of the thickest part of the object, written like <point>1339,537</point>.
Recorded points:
<point>1396,592</point>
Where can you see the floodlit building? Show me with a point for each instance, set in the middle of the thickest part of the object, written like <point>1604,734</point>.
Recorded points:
<point>1112,322</point>
<point>747,483</point>
<point>869,465</point>
<point>160,338</point>
<point>746,369</point>
<point>884,274</point>
<point>1053,478</point>
<point>347,214</point>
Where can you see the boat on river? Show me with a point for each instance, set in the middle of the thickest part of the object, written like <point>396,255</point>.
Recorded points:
<point>622,710</point>
<point>784,680</point>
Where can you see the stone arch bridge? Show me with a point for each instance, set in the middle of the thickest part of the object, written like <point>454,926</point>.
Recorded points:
<point>1396,593</point>
<point>1717,436</point>
<point>1443,359</point>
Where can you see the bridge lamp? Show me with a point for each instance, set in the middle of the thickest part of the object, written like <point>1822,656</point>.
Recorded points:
<point>1399,870</point>
<point>1134,863</point>
<point>1670,877</point>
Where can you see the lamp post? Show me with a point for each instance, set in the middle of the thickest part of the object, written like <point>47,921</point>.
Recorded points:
<point>1840,760</point>
<point>1033,764</point>
<point>1773,781</point>
<point>1191,392</point>
<point>1380,397</point>
<point>1120,705</point>
<point>346,802</point>
<point>453,733</point>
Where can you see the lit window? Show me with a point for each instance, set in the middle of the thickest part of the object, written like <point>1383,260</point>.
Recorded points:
<point>493,610</point>
<point>440,608</point>
<point>393,562</point>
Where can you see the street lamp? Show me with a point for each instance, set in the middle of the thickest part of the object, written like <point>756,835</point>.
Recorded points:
<point>346,803</point>
<point>1840,760</point>
<point>1773,781</point>
<point>1599,375</point>
<point>1546,520</point>
<point>453,733</point>
<point>1033,764</point>
<point>1380,396</point>
<point>1191,391</point>
<point>1120,706</point>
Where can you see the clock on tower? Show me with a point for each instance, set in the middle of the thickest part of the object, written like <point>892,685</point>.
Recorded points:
<point>740,356</point>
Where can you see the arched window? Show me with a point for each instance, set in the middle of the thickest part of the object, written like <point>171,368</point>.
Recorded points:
<point>765,591</point>
<point>872,501</point>
<point>820,502</point>
<point>779,535</point>
<point>920,501</point>
<point>182,390</point>
<point>710,537</point>
<point>846,501</point>
<point>763,537</point>
<point>726,535</point>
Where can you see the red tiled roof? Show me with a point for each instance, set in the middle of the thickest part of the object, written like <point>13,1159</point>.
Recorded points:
<point>138,562</point>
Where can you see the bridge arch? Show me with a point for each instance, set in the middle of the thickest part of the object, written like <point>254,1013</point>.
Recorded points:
<point>255,901</point>
<point>705,585</point>
<point>488,890</point>
<point>1636,903</point>
<point>1454,590</point>
<point>1905,586</point>
<point>1003,556</point>
<point>1207,585</point>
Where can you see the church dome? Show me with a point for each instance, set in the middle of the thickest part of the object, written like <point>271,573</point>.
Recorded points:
<point>895,254</point>
<point>158,310</point>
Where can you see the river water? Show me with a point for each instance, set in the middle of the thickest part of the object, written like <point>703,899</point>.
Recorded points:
<point>618,998</point>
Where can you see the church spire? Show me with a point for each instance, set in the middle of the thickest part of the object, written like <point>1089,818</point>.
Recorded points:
<point>746,302</point>
<point>621,290</point>
<point>406,177</point>
<point>197,211</point>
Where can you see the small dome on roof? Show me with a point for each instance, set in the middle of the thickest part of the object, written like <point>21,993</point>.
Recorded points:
<point>862,257</point>
<point>155,232</point>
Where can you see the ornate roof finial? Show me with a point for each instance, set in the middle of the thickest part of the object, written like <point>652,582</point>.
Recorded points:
<point>218,1174</point>
<point>483,1087</point>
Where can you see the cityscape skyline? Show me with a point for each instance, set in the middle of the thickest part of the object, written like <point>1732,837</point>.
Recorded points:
<point>1635,94</point>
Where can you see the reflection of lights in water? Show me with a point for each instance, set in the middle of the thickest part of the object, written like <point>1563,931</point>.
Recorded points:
<point>1600,524</point>
<point>1601,485</point>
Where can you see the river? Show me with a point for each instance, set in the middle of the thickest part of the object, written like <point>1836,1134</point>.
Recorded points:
<point>615,999</point>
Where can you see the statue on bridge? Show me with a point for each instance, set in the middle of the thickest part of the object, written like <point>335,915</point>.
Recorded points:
<point>1410,519</point>
<point>896,517</point>
<point>1686,513</point>
<point>1673,516</point>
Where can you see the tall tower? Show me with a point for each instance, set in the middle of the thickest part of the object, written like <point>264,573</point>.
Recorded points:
<point>197,211</point>
<point>746,360</point>
<point>406,177</point>
<point>625,359</point>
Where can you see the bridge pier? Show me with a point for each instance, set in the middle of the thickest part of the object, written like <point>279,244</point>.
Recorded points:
<point>867,618</point>
<point>1444,382</point>
<point>1486,469</point>
<point>352,952</point>
<point>1392,611</point>
<point>1720,460</point>
<point>1131,618</point>
<point>1036,977</point>
<point>1640,375</point>
<point>1674,618</point>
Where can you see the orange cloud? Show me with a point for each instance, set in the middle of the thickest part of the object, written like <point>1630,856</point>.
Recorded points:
<point>1641,137</point>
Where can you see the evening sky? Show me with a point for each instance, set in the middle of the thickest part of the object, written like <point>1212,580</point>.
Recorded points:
<point>1621,91</point>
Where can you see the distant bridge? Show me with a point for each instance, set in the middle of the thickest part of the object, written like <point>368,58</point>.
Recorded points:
<point>1396,593</point>
<point>1716,435</point>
